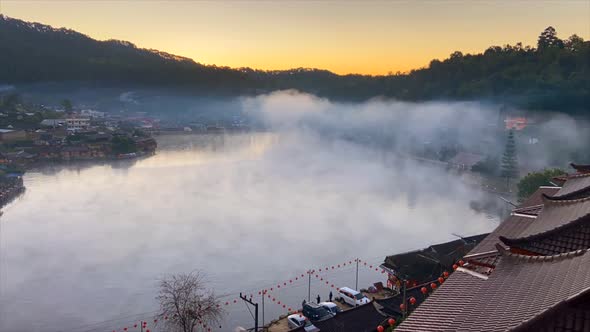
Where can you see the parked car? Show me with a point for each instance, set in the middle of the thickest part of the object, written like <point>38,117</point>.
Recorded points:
<point>352,297</point>
<point>316,312</point>
<point>331,307</point>
<point>297,320</point>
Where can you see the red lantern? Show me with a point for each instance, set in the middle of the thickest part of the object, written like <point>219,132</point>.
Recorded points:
<point>433,285</point>
<point>380,328</point>
<point>290,309</point>
<point>412,300</point>
<point>391,322</point>
<point>424,290</point>
<point>455,266</point>
<point>402,307</point>
<point>441,280</point>
<point>446,274</point>
<point>461,262</point>
<point>135,325</point>
<point>155,320</point>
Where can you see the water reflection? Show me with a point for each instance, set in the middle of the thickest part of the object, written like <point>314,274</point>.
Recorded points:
<point>87,243</point>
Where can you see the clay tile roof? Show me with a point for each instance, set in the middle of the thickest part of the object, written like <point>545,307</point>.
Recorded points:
<point>581,168</point>
<point>575,187</point>
<point>441,309</point>
<point>520,290</point>
<point>573,237</point>
<point>510,228</point>
<point>536,198</point>
<point>556,214</point>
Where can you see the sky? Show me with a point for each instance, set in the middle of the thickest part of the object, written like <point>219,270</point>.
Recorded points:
<point>366,37</point>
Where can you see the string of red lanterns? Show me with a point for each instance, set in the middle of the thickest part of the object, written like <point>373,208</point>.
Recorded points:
<point>278,286</point>
<point>143,325</point>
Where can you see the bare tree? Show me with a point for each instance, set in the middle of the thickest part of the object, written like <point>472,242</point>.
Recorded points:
<point>187,303</point>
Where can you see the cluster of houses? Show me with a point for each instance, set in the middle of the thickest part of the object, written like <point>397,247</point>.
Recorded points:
<point>83,135</point>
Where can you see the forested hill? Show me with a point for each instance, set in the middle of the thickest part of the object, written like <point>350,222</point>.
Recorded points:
<point>555,74</point>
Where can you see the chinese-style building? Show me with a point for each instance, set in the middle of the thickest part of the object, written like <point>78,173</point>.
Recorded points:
<point>532,273</point>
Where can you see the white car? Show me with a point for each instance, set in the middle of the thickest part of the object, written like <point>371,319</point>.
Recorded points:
<point>331,307</point>
<point>297,320</point>
<point>352,297</point>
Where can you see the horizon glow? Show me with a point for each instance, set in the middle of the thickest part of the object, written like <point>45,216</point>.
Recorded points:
<point>374,37</point>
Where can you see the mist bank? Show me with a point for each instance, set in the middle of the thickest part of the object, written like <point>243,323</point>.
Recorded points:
<point>433,128</point>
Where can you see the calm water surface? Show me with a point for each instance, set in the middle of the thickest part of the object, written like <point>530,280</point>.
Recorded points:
<point>84,247</point>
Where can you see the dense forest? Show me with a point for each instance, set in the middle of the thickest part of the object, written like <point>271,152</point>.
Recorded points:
<point>553,75</point>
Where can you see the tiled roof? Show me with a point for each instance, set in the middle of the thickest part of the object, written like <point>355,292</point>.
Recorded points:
<point>521,289</point>
<point>442,308</point>
<point>427,264</point>
<point>510,228</point>
<point>556,214</point>
<point>576,186</point>
<point>518,221</point>
<point>573,237</point>
<point>536,198</point>
<point>581,168</point>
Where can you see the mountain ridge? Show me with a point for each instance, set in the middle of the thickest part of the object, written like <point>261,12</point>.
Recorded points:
<point>554,75</point>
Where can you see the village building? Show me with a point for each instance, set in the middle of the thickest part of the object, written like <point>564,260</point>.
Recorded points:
<point>465,161</point>
<point>77,124</point>
<point>53,122</point>
<point>424,265</point>
<point>11,135</point>
<point>532,273</point>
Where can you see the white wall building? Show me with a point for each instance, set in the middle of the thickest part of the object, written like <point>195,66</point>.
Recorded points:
<point>77,124</point>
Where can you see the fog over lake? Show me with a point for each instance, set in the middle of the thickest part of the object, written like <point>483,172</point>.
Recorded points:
<point>87,243</point>
<point>84,247</point>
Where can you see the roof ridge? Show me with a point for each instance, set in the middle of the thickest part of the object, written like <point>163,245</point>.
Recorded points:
<point>583,219</point>
<point>556,200</point>
<point>541,258</point>
<point>577,175</point>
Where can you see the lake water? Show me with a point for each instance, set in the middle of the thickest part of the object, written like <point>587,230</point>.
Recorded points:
<point>84,247</point>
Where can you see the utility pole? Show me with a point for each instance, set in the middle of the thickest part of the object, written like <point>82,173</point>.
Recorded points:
<point>309,286</point>
<point>405,303</point>
<point>356,287</point>
<point>263,295</point>
<point>255,311</point>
